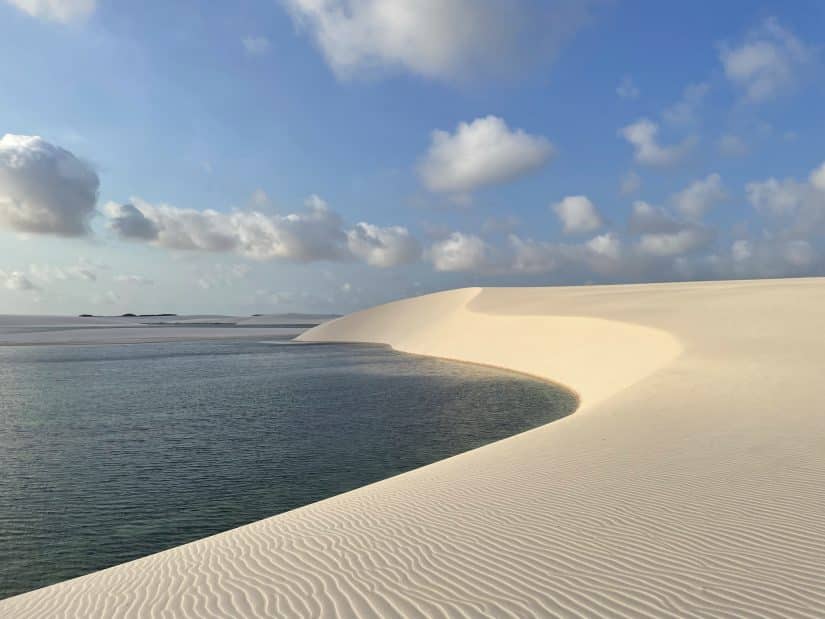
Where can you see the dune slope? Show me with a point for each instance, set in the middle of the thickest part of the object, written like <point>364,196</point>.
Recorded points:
<point>689,483</point>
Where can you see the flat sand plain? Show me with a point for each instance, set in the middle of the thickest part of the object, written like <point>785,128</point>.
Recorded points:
<point>689,483</point>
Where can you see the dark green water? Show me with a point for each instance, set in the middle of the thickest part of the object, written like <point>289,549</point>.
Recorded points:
<point>110,453</point>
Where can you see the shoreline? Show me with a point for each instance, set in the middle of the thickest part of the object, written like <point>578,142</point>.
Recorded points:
<point>665,493</point>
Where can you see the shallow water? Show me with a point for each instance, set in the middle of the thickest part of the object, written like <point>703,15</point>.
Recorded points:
<point>110,453</point>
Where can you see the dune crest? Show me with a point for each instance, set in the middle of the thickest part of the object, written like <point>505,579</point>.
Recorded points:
<point>689,483</point>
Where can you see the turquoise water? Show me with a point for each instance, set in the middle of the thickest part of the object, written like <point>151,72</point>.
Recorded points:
<point>110,453</point>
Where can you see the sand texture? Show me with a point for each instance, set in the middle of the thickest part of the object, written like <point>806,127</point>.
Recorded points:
<point>690,482</point>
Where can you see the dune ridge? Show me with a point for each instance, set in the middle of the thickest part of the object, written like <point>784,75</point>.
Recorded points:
<point>688,484</point>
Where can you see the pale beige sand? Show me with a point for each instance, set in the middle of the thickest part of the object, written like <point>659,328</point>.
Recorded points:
<point>691,482</point>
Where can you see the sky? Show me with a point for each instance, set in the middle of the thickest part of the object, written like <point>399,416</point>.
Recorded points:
<point>266,156</point>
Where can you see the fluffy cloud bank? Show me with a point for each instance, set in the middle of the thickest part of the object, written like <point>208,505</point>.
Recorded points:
<point>767,63</point>
<point>56,10</point>
<point>481,153</point>
<point>316,233</point>
<point>44,189</point>
<point>441,39</point>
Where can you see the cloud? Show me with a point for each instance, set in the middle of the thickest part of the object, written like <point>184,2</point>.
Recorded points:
<point>797,208</point>
<point>627,89</point>
<point>45,189</point>
<point>529,256</point>
<point>440,39</point>
<point>674,243</point>
<point>57,10</point>
<point>766,64</point>
<point>383,247</point>
<point>642,135</point>
<point>684,111</point>
<point>648,219</point>
<point>135,280</point>
<point>130,223</point>
<point>525,256</point>
<point>16,280</point>
<point>770,258</point>
<point>315,233</point>
<point>741,250</point>
<point>700,196</point>
<point>459,252</point>
<point>817,178</point>
<point>776,197</point>
<point>607,245</point>
<point>255,45</point>
<point>661,234</point>
<point>578,214</point>
<point>82,271</point>
<point>481,153</point>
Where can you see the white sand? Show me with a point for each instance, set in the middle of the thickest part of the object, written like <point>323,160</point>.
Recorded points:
<point>691,481</point>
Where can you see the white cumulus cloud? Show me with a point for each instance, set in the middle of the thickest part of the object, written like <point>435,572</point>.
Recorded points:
<point>316,233</point>
<point>767,63</point>
<point>700,196</point>
<point>578,214</point>
<point>817,178</point>
<point>776,197</point>
<point>459,252</point>
<point>673,243</point>
<point>607,245</point>
<point>481,153</point>
<point>442,39</point>
<point>643,136</point>
<point>44,189</point>
<point>313,234</point>
<point>661,234</point>
<point>383,247</point>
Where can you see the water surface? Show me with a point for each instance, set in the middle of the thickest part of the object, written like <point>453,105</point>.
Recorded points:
<point>109,453</point>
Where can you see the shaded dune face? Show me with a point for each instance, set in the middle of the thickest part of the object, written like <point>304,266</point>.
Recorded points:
<point>688,484</point>
<point>588,355</point>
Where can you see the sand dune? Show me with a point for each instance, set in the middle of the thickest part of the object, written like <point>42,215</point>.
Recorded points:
<point>688,484</point>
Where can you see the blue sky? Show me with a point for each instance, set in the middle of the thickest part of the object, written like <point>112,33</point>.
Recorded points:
<point>221,158</point>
